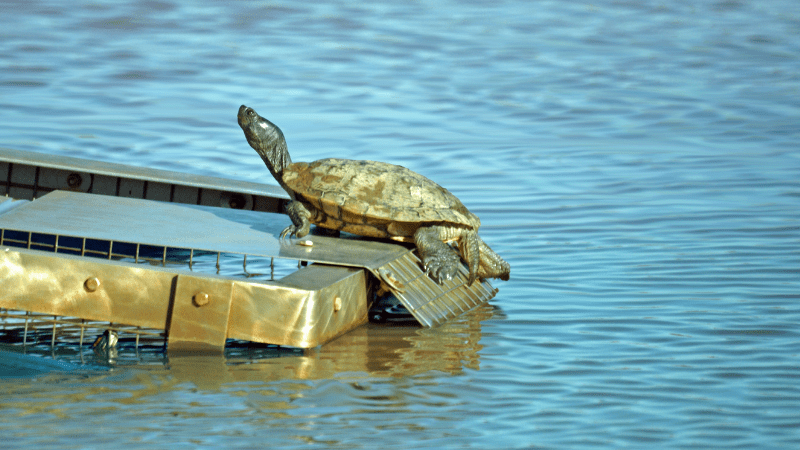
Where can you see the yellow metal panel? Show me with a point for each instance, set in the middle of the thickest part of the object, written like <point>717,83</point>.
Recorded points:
<point>199,316</point>
<point>72,286</point>
<point>306,309</point>
<point>315,305</point>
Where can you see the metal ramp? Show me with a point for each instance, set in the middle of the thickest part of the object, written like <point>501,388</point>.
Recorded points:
<point>133,255</point>
<point>431,303</point>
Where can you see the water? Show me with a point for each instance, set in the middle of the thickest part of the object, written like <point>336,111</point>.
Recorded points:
<point>635,162</point>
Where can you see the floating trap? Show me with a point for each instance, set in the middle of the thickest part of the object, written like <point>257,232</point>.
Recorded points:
<point>194,261</point>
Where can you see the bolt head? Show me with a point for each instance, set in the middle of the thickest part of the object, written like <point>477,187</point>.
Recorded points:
<point>337,304</point>
<point>200,299</point>
<point>74,180</point>
<point>237,201</point>
<point>91,284</point>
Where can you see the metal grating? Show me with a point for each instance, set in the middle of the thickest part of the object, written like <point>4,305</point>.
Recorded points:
<point>31,329</point>
<point>71,337</point>
<point>429,302</point>
<point>231,264</point>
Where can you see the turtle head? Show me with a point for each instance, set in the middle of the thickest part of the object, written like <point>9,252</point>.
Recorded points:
<point>267,140</point>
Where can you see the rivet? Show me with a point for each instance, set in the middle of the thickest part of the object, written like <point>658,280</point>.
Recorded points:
<point>200,299</point>
<point>306,243</point>
<point>237,201</point>
<point>74,180</point>
<point>337,304</point>
<point>91,284</point>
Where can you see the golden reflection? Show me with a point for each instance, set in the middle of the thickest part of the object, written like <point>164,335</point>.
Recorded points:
<point>367,353</point>
<point>372,350</point>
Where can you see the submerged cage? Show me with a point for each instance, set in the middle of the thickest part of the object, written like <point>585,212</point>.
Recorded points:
<point>88,247</point>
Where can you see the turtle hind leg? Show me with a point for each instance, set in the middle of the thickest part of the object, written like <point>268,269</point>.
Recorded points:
<point>441,261</point>
<point>300,223</point>
<point>469,244</point>
<point>491,264</point>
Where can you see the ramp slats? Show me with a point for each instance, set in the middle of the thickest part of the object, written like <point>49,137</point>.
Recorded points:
<point>429,302</point>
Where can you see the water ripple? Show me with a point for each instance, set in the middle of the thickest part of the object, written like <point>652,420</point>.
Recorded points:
<point>635,162</point>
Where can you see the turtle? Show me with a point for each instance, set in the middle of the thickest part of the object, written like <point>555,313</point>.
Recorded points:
<point>375,199</point>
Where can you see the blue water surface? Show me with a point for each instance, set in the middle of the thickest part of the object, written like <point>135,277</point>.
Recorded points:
<point>636,163</point>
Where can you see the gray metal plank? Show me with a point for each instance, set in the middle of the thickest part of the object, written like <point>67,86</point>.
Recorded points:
<point>108,177</point>
<point>188,227</point>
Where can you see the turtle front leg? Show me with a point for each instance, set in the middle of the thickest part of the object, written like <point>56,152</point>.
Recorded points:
<point>441,261</point>
<point>300,223</point>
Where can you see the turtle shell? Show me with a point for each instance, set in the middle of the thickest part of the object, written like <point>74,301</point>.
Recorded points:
<point>371,198</point>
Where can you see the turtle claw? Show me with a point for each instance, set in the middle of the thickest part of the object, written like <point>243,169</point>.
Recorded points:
<point>442,268</point>
<point>295,231</point>
<point>289,231</point>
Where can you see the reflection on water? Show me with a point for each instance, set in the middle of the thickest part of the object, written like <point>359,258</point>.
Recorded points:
<point>373,350</point>
<point>259,385</point>
<point>368,352</point>
<point>635,162</point>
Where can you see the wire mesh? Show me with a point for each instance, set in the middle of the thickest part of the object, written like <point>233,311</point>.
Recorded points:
<point>46,332</point>
<point>220,263</point>
<point>72,338</point>
<point>37,330</point>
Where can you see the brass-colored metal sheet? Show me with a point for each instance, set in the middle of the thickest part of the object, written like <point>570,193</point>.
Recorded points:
<point>199,315</point>
<point>306,309</point>
<point>317,304</point>
<point>429,302</point>
<point>189,227</point>
<point>72,286</point>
